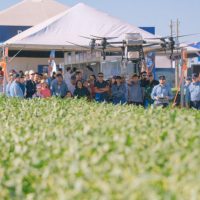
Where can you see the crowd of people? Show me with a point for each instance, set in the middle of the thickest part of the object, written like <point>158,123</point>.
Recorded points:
<point>140,90</point>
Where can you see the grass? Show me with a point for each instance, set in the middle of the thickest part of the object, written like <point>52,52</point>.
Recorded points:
<point>71,149</point>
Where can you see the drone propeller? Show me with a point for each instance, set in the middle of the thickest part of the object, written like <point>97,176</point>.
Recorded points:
<point>84,47</point>
<point>172,36</point>
<point>101,38</point>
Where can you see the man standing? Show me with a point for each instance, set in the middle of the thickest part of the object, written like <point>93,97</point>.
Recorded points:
<point>15,89</point>
<point>59,87</point>
<point>118,91</point>
<point>148,90</point>
<point>101,88</point>
<point>135,91</point>
<point>194,92</point>
<point>30,85</point>
<point>144,79</point>
<point>10,80</point>
<point>162,93</point>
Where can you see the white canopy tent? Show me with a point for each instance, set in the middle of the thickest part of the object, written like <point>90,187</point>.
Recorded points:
<point>31,12</point>
<point>69,26</point>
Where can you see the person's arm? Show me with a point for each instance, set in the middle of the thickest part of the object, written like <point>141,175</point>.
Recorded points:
<point>153,94</point>
<point>187,97</point>
<point>99,90</point>
<point>53,92</point>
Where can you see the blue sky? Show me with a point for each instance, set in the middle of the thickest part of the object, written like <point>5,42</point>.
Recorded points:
<point>156,13</point>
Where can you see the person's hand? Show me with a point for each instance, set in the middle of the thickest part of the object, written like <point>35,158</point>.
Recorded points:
<point>156,98</point>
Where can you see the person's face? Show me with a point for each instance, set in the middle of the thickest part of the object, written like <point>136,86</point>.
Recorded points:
<point>59,79</point>
<point>17,80</point>
<point>188,82</point>
<point>73,82</point>
<point>144,76</point>
<point>68,95</point>
<point>79,76</point>
<point>10,78</point>
<point>86,84</point>
<point>79,85</point>
<point>31,76</point>
<point>22,80</point>
<point>36,77</point>
<point>135,79</point>
<point>162,81</point>
<point>113,80</point>
<point>44,85</point>
<point>92,78</point>
<point>195,79</point>
<point>100,77</point>
<point>151,77</point>
<point>118,81</point>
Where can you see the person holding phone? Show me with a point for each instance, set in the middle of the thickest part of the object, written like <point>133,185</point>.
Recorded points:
<point>162,93</point>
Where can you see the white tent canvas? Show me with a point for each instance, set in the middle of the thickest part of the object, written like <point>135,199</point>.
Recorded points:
<point>31,12</point>
<point>69,26</point>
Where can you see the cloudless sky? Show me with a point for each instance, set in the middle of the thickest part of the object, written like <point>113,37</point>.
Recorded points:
<point>156,13</point>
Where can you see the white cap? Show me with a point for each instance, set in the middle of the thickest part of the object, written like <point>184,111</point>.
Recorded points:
<point>26,72</point>
<point>31,72</point>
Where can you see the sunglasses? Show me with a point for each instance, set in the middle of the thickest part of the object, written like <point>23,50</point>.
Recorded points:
<point>100,76</point>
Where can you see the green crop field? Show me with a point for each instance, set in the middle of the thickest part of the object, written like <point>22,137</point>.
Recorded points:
<point>71,149</point>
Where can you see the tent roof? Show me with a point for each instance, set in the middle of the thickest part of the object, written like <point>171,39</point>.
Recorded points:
<point>31,12</point>
<point>70,25</point>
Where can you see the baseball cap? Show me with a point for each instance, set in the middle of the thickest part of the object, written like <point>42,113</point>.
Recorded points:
<point>16,75</point>
<point>194,75</point>
<point>162,77</point>
<point>31,72</point>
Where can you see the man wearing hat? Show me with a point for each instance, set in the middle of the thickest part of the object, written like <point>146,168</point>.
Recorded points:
<point>194,92</point>
<point>15,89</point>
<point>162,93</point>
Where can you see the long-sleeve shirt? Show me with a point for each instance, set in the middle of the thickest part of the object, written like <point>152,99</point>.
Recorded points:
<point>59,90</point>
<point>135,93</point>
<point>194,91</point>
<point>8,89</point>
<point>30,88</point>
<point>15,90</point>
<point>161,92</point>
<point>118,91</point>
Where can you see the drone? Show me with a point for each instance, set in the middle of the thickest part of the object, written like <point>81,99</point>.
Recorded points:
<point>133,47</point>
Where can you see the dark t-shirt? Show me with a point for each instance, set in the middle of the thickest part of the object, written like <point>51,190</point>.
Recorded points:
<point>99,85</point>
<point>144,83</point>
<point>101,96</point>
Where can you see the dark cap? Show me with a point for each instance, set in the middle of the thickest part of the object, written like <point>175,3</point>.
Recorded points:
<point>16,75</point>
<point>188,78</point>
<point>118,77</point>
<point>194,75</point>
<point>162,77</point>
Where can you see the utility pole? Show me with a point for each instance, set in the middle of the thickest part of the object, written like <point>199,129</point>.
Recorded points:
<point>174,29</point>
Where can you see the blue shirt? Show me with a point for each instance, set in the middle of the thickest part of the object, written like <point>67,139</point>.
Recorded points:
<point>8,89</point>
<point>135,93</point>
<point>194,91</point>
<point>161,91</point>
<point>59,90</point>
<point>15,90</point>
